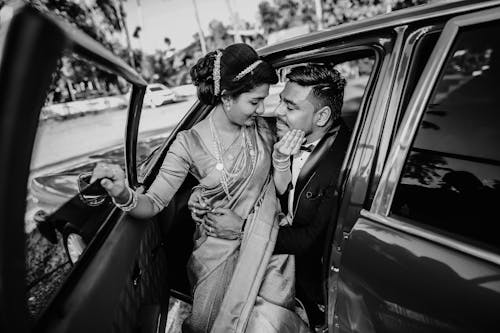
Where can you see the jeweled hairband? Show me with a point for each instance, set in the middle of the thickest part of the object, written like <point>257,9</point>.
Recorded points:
<point>247,70</point>
<point>216,72</point>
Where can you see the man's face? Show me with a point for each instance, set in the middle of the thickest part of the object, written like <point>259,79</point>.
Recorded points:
<point>295,111</point>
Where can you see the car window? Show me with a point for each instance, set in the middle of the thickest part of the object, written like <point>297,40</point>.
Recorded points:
<point>161,112</point>
<point>451,178</point>
<point>80,124</point>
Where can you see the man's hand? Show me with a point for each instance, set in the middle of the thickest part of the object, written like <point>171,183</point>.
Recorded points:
<point>223,223</point>
<point>198,206</point>
<point>289,144</point>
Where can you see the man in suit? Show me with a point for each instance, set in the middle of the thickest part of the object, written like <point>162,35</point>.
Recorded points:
<point>311,102</point>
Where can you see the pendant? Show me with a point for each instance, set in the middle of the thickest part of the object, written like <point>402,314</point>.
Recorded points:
<point>219,166</point>
<point>252,152</point>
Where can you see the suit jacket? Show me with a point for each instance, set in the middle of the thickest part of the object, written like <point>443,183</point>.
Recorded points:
<point>315,201</point>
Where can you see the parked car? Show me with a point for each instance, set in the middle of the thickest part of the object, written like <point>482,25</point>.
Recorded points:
<point>158,94</point>
<point>412,247</point>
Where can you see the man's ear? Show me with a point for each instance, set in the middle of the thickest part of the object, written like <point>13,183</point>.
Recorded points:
<point>322,116</point>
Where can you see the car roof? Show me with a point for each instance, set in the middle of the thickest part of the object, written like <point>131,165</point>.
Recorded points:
<point>380,22</point>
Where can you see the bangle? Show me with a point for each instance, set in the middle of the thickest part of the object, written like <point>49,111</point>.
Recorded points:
<point>131,202</point>
<point>281,165</point>
<point>287,158</point>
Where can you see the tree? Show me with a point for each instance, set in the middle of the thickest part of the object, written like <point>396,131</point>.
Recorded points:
<point>283,14</point>
<point>101,20</point>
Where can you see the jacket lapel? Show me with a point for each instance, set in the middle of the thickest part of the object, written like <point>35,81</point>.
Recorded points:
<point>324,145</point>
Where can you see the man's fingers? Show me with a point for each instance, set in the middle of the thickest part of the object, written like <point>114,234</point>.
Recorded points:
<point>196,218</point>
<point>210,223</point>
<point>221,211</point>
<point>196,205</point>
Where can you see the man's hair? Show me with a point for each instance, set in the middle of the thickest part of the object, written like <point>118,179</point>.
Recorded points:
<point>328,85</point>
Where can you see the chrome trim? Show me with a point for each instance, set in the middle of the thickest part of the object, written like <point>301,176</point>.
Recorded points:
<point>306,56</point>
<point>399,85</point>
<point>390,177</point>
<point>433,237</point>
<point>386,102</point>
<point>386,21</point>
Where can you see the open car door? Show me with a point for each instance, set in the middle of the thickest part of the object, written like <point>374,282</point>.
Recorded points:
<point>113,278</point>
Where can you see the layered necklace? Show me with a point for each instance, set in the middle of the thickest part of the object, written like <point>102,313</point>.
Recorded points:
<point>225,174</point>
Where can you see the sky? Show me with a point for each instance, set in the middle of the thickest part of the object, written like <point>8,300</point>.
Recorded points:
<point>175,19</point>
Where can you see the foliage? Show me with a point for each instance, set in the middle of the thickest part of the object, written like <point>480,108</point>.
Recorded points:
<point>283,14</point>
<point>100,19</point>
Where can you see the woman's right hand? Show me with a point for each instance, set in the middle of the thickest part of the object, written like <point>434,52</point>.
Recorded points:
<point>112,179</point>
<point>289,144</point>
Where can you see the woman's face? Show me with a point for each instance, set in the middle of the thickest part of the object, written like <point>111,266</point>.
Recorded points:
<point>245,107</point>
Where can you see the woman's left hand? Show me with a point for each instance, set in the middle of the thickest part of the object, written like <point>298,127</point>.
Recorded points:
<point>223,223</point>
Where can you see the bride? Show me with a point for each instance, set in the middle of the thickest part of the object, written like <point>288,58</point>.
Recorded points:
<point>237,284</point>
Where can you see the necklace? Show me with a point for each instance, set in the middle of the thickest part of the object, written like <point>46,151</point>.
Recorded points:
<point>246,143</point>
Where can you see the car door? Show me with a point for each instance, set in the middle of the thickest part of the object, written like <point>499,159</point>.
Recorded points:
<point>425,258</point>
<point>118,282</point>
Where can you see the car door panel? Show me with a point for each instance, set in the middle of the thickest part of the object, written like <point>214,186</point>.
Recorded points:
<point>119,282</point>
<point>19,96</point>
<point>400,289</point>
<point>108,293</point>
<point>406,273</point>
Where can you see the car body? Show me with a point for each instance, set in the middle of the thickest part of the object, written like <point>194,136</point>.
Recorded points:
<point>412,247</point>
<point>158,94</point>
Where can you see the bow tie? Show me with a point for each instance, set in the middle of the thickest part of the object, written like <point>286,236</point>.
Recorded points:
<point>308,148</point>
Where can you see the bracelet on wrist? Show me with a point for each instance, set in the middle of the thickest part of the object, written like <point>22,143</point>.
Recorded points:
<point>131,202</point>
<point>276,159</point>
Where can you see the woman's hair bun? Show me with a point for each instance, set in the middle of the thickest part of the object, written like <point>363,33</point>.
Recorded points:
<point>202,77</point>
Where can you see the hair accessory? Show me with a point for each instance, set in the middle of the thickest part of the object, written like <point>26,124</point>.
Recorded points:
<point>216,73</point>
<point>247,70</point>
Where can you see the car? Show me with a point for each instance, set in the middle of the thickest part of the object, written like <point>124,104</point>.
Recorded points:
<point>412,246</point>
<point>158,94</point>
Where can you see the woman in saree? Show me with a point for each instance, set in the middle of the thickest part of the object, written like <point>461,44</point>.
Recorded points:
<point>237,285</point>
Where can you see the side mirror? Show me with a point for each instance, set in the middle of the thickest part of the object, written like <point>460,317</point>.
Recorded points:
<point>91,194</point>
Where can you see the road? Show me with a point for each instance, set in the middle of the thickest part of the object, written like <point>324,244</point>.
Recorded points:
<point>60,141</point>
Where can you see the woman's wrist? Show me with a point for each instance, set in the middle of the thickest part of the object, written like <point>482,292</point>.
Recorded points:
<point>281,164</point>
<point>280,157</point>
<point>124,197</point>
<point>130,203</point>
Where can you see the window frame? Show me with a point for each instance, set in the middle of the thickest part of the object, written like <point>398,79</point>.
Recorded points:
<point>380,209</point>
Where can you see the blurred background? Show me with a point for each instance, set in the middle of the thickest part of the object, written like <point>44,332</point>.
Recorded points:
<point>161,39</point>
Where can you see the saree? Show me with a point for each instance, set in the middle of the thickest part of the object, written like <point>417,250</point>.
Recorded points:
<point>237,285</point>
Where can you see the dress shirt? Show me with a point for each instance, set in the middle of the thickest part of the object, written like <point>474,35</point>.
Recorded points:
<point>298,162</point>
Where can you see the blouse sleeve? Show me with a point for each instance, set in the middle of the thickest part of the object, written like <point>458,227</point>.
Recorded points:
<point>172,173</point>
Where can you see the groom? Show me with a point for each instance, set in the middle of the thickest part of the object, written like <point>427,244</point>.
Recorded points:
<point>311,102</point>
